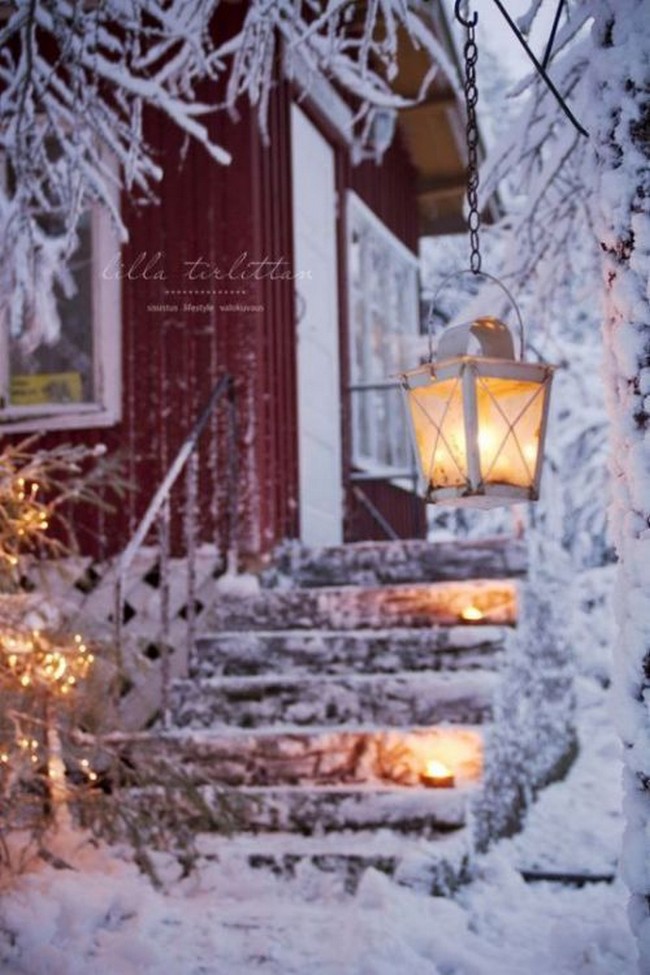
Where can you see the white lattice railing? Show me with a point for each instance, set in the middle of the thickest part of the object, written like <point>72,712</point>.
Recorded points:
<point>146,602</point>
<point>85,591</point>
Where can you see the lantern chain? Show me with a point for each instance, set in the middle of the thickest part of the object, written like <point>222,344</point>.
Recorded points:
<point>470,51</point>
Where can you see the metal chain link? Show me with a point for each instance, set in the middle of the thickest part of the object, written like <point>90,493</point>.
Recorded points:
<point>470,51</point>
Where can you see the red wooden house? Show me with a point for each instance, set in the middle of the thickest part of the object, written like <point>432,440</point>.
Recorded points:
<point>295,271</point>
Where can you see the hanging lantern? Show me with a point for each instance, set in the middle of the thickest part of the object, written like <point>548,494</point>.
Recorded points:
<point>479,420</point>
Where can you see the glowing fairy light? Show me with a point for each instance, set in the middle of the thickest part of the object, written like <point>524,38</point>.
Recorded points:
<point>90,774</point>
<point>43,660</point>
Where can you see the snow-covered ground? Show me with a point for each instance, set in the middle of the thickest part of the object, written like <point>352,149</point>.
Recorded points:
<point>104,918</point>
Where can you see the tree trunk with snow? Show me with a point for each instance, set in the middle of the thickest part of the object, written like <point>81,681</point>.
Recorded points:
<point>621,72</point>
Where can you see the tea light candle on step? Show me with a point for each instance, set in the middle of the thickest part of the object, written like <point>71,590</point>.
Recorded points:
<point>437,776</point>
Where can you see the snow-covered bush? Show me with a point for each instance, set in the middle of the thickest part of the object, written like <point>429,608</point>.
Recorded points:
<point>533,739</point>
<point>60,755</point>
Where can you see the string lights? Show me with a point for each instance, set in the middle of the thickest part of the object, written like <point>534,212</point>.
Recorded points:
<point>38,660</point>
<point>24,518</point>
<point>43,668</point>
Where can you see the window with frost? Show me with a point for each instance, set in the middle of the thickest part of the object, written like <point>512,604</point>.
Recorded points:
<point>66,374</point>
<point>383,311</point>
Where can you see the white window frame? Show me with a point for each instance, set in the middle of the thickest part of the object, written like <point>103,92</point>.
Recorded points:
<point>393,426</point>
<point>106,323</point>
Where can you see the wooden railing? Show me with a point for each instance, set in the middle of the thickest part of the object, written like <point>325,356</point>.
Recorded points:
<point>157,518</point>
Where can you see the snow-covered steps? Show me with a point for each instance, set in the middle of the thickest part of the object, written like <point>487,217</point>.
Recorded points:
<point>356,607</point>
<point>438,867</point>
<point>381,699</point>
<point>290,756</point>
<point>300,652</point>
<point>318,702</point>
<point>390,563</point>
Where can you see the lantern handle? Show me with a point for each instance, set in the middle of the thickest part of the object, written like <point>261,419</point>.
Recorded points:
<point>490,277</point>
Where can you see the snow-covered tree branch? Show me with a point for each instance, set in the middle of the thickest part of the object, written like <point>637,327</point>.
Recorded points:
<point>75,80</point>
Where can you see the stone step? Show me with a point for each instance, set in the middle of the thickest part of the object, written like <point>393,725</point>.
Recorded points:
<point>299,652</point>
<point>424,605</point>
<point>382,699</point>
<point>437,867</point>
<point>361,756</point>
<point>389,563</point>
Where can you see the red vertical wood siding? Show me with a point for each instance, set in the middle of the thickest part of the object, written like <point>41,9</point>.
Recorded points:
<point>171,360</point>
<point>277,402</point>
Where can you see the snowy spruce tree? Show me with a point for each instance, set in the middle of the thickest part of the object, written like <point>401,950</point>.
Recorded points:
<point>620,85</point>
<point>568,184</point>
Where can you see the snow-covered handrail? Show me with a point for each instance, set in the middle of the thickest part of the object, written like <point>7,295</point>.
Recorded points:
<point>223,387</point>
<point>159,510</point>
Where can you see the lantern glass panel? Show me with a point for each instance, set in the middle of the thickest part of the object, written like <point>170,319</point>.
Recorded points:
<point>439,429</point>
<point>509,415</point>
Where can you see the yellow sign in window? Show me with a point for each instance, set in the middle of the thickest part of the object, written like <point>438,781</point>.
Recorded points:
<point>53,387</point>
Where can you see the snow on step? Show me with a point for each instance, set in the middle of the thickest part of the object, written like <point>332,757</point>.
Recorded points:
<point>423,605</point>
<point>363,756</point>
<point>438,867</point>
<point>325,809</point>
<point>383,699</point>
<point>412,560</point>
<point>242,654</point>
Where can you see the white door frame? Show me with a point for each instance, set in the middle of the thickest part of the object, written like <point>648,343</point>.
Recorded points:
<point>318,359</point>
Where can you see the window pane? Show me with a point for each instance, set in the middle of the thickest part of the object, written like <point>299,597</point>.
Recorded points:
<point>383,323</point>
<point>60,371</point>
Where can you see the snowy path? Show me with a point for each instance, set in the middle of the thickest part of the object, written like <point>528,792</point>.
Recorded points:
<point>104,918</point>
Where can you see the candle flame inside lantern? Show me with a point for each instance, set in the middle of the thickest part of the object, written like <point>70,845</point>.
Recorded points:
<point>471,613</point>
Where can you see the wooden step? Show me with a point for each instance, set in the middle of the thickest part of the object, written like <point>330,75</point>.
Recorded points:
<point>390,563</point>
<point>437,867</point>
<point>424,605</point>
<point>272,757</point>
<point>382,699</point>
<point>300,652</point>
<point>323,810</point>
<point>310,810</point>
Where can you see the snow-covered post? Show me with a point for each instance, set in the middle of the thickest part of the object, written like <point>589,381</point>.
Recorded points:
<point>60,810</point>
<point>621,78</point>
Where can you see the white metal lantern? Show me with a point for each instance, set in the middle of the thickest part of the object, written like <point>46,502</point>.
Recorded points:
<point>479,421</point>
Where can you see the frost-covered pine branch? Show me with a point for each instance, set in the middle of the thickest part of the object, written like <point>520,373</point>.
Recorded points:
<point>544,161</point>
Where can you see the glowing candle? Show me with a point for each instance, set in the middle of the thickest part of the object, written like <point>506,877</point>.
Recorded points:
<point>437,775</point>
